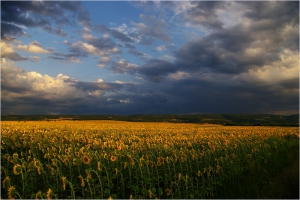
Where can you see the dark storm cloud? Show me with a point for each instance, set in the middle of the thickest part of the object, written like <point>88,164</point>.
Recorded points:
<point>156,70</point>
<point>84,18</point>
<point>18,14</point>
<point>13,56</point>
<point>223,53</point>
<point>123,67</point>
<point>101,28</point>
<point>153,27</point>
<point>281,11</point>
<point>204,13</point>
<point>136,53</point>
<point>121,36</point>
<point>291,83</point>
<point>57,30</point>
<point>102,43</point>
<point>224,50</point>
<point>92,86</point>
<point>10,29</point>
<point>74,53</point>
<point>194,96</point>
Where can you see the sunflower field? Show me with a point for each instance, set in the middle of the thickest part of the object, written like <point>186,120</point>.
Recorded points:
<point>131,160</point>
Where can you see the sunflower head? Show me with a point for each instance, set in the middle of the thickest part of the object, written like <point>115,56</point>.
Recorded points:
<point>17,169</point>
<point>119,147</point>
<point>179,177</point>
<point>88,176</point>
<point>160,161</point>
<point>64,182</point>
<point>77,154</point>
<point>37,163</point>
<point>113,158</point>
<point>15,155</point>
<point>86,160</point>
<point>11,192</point>
<point>49,194</point>
<point>6,182</point>
<point>168,192</point>
<point>150,193</point>
<point>38,195</point>
<point>199,173</point>
<point>99,166</point>
<point>81,181</point>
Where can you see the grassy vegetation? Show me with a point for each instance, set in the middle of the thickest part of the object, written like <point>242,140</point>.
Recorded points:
<point>274,178</point>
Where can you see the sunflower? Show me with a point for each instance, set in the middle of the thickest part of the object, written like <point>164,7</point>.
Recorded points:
<point>39,170</point>
<point>54,162</point>
<point>88,176</point>
<point>150,193</point>
<point>49,193</point>
<point>15,155</point>
<point>81,181</point>
<point>6,182</point>
<point>11,192</point>
<point>17,170</point>
<point>119,147</point>
<point>86,160</point>
<point>125,164</point>
<point>81,150</point>
<point>77,154</point>
<point>179,177</point>
<point>38,195</point>
<point>99,166</point>
<point>64,182</point>
<point>199,173</point>
<point>113,158</point>
<point>160,161</point>
<point>168,192</point>
<point>37,163</point>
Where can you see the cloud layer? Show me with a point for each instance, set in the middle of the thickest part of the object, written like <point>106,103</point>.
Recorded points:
<point>176,57</point>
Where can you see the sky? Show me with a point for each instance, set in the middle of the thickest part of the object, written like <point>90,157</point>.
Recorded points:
<point>149,57</point>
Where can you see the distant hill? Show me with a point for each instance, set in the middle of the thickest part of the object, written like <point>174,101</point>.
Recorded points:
<point>223,119</point>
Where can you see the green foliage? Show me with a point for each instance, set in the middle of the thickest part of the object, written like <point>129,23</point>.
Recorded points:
<point>224,119</point>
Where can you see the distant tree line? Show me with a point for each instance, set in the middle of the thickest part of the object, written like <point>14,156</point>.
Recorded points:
<point>223,119</point>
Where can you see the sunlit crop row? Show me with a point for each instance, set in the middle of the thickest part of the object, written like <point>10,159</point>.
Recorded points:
<point>107,159</point>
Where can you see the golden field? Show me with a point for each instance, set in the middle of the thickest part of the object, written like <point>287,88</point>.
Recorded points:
<point>113,159</point>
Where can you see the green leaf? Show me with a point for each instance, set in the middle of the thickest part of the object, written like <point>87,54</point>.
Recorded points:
<point>153,190</point>
<point>160,191</point>
<point>107,191</point>
<point>144,191</point>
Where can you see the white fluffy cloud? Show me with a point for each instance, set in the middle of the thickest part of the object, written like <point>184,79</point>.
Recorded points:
<point>32,84</point>
<point>33,47</point>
